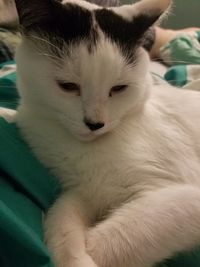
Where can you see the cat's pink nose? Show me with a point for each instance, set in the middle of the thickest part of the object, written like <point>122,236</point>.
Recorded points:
<point>93,126</point>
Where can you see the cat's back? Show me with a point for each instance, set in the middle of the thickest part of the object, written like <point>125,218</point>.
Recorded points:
<point>181,106</point>
<point>165,137</point>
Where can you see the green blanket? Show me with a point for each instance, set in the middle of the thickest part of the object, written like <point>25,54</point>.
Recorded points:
<point>182,55</point>
<point>26,191</point>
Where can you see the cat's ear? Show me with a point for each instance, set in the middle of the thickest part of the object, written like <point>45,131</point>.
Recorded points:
<point>146,11</point>
<point>33,12</point>
<point>128,24</point>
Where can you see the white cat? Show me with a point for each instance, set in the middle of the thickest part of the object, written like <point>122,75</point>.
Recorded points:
<point>126,151</point>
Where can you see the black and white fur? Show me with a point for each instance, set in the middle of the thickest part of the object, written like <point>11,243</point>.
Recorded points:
<point>126,151</point>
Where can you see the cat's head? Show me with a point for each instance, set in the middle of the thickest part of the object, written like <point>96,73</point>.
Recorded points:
<point>82,64</point>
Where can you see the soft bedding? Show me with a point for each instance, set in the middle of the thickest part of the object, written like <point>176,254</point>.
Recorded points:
<point>182,55</point>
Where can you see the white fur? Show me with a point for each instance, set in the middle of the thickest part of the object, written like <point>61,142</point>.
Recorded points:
<point>131,190</point>
<point>7,114</point>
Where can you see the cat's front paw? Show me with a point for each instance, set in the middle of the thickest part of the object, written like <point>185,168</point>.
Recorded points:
<point>8,114</point>
<point>83,261</point>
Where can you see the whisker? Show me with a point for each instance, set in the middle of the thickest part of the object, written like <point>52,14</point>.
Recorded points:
<point>8,103</point>
<point>54,59</point>
<point>46,41</point>
<point>7,86</point>
<point>49,56</point>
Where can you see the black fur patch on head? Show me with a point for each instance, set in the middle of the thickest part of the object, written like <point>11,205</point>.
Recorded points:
<point>70,22</point>
<point>127,34</point>
<point>61,24</point>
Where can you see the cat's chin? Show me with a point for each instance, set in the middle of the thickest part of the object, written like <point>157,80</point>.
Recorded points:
<point>89,136</point>
<point>86,137</point>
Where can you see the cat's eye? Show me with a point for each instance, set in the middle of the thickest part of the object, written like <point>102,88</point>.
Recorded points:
<point>69,87</point>
<point>118,89</point>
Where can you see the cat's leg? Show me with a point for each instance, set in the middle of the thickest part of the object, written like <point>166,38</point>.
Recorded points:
<point>147,230</point>
<point>65,228</point>
<point>8,114</point>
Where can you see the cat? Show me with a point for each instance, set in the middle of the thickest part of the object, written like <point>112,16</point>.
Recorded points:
<point>126,151</point>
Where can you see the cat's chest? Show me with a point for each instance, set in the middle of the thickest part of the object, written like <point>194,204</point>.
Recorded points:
<point>144,151</point>
<point>129,159</point>
<point>86,162</point>
<point>105,173</point>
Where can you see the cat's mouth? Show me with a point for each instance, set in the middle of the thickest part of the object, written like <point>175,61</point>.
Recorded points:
<point>90,136</point>
<point>87,137</point>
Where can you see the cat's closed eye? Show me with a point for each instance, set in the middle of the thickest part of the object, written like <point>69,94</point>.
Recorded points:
<point>68,87</point>
<point>117,89</point>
